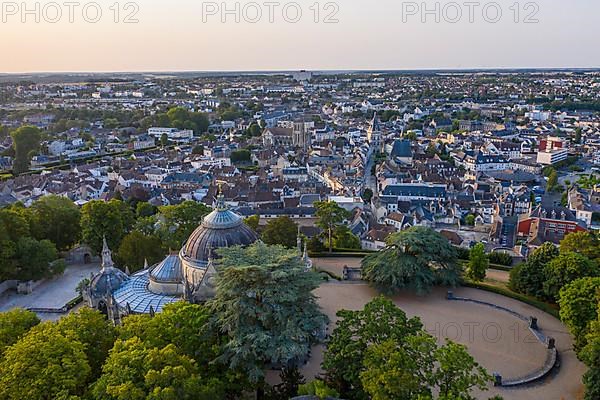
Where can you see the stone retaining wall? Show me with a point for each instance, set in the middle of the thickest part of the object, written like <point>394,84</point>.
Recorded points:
<point>552,354</point>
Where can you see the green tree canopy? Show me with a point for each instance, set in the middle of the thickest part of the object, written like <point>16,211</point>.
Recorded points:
<point>264,303</point>
<point>528,278</point>
<point>136,248</point>
<point>253,222</point>
<point>552,183</point>
<point>478,263</point>
<point>57,219</point>
<point>399,371</point>
<point>176,223</point>
<point>355,331</point>
<point>414,259</point>
<point>458,373</point>
<point>26,141</point>
<point>281,230</point>
<point>45,365</point>
<point>188,327</point>
<point>136,371</point>
<point>584,243</point>
<point>144,209</point>
<point>564,269</point>
<point>590,355</point>
<point>329,216</point>
<point>112,219</point>
<point>182,118</point>
<point>33,259</point>
<point>241,156</point>
<point>90,328</point>
<point>578,303</point>
<point>14,324</point>
<point>343,238</point>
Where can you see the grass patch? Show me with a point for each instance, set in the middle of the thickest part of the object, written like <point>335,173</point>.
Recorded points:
<point>338,254</point>
<point>545,307</point>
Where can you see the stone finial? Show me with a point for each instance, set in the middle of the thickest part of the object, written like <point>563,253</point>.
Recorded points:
<point>497,379</point>
<point>107,261</point>
<point>533,323</point>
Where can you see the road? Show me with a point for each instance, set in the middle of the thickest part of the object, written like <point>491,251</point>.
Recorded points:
<point>53,293</point>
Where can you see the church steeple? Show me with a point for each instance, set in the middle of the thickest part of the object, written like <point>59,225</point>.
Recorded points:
<point>221,206</point>
<point>107,261</point>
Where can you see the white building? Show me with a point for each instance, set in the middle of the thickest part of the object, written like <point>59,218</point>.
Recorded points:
<point>552,157</point>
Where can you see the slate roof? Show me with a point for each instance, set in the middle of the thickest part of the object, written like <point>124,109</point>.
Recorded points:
<point>413,190</point>
<point>402,148</point>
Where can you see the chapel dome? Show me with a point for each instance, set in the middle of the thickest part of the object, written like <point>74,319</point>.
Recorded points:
<point>220,228</point>
<point>109,278</point>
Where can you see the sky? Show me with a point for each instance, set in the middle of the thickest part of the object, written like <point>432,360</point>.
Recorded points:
<point>194,35</point>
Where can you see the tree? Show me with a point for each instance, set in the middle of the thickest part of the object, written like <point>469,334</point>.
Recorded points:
<point>528,278</point>
<point>590,355</point>
<point>13,227</point>
<point>182,118</point>
<point>144,210</point>
<point>198,149</point>
<point>281,230</point>
<point>478,263</point>
<point>240,156</point>
<point>188,327</point>
<point>399,370</point>
<point>343,238</point>
<point>57,219</point>
<point>137,371</point>
<point>329,216</point>
<point>552,181</point>
<point>101,219</point>
<point>26,141</point>
<point>583,243</point>
<point>379,321</point>
<point>317,388</point>
<point>253,222</point>
<point>411,135</point>
<point>176,223</point>
<point>457,372</point>
<point>136,248</point>
<point>44,364</point>
<point>578,303</point>
<point>254,130</point>
<point>14,324</point>
<point>90,328</point>
<point>33,258</point>
<point>470,220</point>
<point>367,195</point>
<point>291,380</point>
<point>564,269</point>
<point>265,305</point>
<point>164,140</point>
<point>414,259</point>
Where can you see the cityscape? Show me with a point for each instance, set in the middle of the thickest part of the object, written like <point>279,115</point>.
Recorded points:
<point>426,234</point>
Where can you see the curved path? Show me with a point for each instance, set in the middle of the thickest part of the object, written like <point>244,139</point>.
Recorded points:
<point>498,341</point>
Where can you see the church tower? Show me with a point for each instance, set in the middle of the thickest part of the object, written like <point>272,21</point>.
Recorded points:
<point>374,133</point>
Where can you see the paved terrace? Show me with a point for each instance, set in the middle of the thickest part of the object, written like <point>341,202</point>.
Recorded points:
<point>54,293</point>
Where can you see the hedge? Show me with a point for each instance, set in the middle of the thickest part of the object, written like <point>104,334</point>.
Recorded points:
<point>356,254</point>
<point>545,307</point>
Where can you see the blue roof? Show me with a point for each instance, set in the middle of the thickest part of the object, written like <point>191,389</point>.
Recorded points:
<point>169,270</point>
<point>413,190</point>
<point>135,293</point>
<point>402,148</point>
